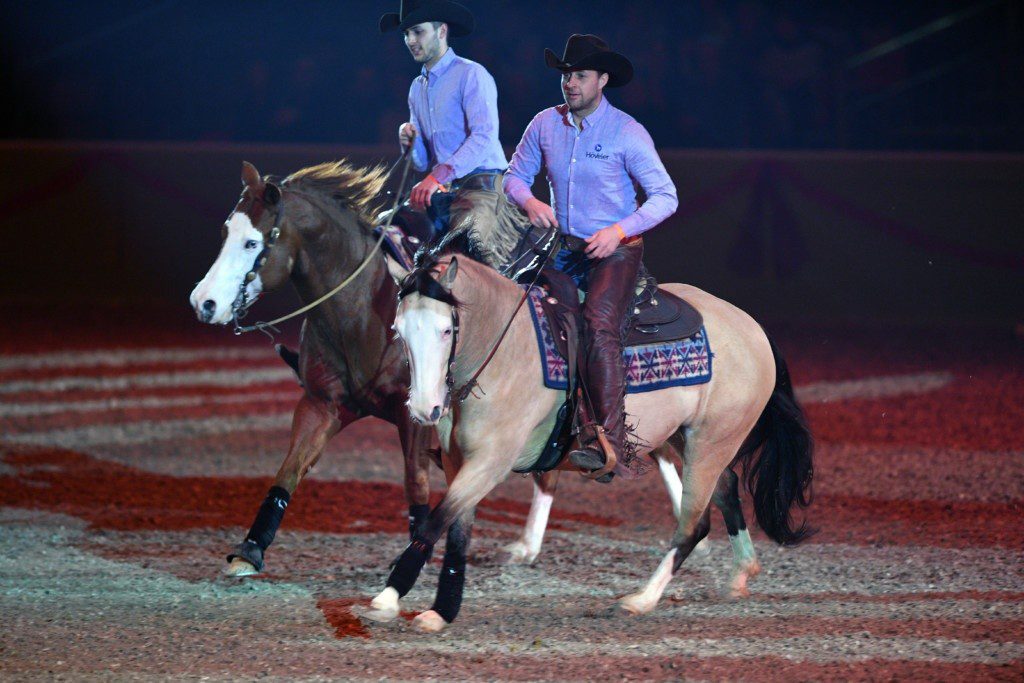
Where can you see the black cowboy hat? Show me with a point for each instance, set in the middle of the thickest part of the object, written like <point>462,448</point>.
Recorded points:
<point>411,12</point>
<point>590,52</point>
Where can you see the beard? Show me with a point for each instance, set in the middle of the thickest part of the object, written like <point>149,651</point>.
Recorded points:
<point>580,104</point>
<point>428,50</point>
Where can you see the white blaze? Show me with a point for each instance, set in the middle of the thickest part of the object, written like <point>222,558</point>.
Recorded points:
<point>222,283</point>
<point>425,326</point>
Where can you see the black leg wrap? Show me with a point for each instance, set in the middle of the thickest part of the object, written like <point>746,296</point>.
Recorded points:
<point>417,513</point>
<point>268,519</point>
<point>410,563</point>
<point>250,552</point>
<point>453,573</point>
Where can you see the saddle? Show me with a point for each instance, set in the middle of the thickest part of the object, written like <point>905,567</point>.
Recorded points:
<point>658,316</point>
<point>409,231</point>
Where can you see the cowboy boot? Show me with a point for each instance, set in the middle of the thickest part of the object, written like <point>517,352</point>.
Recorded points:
<point>611,291</point>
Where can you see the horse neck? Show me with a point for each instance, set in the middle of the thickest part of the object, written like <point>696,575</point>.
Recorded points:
<point>487,303</point>
<point>364,310</point>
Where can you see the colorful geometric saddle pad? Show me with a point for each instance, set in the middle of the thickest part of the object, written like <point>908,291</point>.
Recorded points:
<point>650,367</point>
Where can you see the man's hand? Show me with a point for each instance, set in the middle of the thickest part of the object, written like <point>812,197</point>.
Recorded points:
<point>406,134</point>
<point>422,191</point>
<point>604,242</point>
<point>540,214</point>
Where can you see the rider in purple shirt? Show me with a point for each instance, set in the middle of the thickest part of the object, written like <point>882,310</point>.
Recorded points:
<point>453,111</point>
<point>593,153</point>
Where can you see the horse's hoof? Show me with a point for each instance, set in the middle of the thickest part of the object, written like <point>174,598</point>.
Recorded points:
<point>240,567</point>
<point>429,622</point>
<point>384,607</point>
<point>752,569</point>
<point>637,604</point>
<point>702,549</point>
<point>518,553</point>
<point>738,590</point>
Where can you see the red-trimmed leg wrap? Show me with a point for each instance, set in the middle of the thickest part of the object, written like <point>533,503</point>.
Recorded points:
<point>410,563</point>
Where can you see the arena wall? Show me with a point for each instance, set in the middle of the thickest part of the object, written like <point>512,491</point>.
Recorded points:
<point>799,237</point>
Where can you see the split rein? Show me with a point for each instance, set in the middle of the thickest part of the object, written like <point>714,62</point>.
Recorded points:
<point>241,304</point>
<point>463,393</point>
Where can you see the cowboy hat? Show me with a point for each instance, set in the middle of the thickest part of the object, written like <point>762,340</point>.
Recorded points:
<point>590,52</point>
<point>411,12</point>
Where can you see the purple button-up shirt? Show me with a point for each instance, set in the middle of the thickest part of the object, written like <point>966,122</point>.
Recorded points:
<point>591,170</point>
<point>454,107</point>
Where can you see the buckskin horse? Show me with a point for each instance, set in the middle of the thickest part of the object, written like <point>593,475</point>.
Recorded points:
<point>450,314</point>
<point>313,229</point>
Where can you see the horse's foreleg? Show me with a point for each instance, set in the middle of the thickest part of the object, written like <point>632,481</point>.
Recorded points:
<point>526,549</point>
<point>415,442</point>
<point>744,559</point>
<point>313,425</point>
<point>452,580</point>
<point>470,484</point>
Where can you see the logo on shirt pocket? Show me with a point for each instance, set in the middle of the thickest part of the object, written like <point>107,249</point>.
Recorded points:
<point>596,154</point>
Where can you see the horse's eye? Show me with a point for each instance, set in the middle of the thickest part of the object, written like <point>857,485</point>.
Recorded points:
<point>251,244</point>
<point>447,332</point>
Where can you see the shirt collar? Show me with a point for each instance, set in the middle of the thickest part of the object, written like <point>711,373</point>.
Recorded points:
<point>590,120</point>
<point>442,65</point>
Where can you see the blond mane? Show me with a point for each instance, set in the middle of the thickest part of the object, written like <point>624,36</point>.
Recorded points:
<point>351,186</point>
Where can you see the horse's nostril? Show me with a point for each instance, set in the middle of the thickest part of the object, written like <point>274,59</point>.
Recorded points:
<point>209,306</point>
<point>435,414</point>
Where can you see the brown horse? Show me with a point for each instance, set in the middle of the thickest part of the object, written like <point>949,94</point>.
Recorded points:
<point>314,229</point>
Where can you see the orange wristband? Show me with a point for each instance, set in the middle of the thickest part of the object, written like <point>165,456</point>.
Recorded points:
<point>431,176</point>
<point>622,233</point>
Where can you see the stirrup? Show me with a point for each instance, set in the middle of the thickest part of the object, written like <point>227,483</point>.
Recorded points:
<point>609,455</point>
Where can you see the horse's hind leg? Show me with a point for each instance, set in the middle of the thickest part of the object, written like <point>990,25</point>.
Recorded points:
<point>526,549</point>
<point>676,444</point>
<point>701,470</point>
<point>744,559</point>
<point>313,425</point>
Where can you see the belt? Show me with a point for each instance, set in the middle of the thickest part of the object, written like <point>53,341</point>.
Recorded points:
<point>573,243</point>
<point>485,180</point>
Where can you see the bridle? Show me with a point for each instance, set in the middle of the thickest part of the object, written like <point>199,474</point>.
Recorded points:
<point>241,304</point>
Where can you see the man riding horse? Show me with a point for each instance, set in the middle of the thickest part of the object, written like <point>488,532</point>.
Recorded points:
<point>593,153</point>
<point>453,118</point>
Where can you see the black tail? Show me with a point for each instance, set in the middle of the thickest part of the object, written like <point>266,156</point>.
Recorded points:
<point>778,461</point>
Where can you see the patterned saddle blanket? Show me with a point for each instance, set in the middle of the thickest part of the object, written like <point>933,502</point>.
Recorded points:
<point>649,366</point>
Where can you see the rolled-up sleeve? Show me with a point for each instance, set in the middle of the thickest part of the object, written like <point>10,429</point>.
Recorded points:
<point>644,165</point>
<point>525,165</point>
<point>480,103</point>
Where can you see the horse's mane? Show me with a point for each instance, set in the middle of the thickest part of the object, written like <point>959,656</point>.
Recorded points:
<point>349,186</point>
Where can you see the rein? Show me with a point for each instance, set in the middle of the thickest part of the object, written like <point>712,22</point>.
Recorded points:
<point>241,304</point>
<point>462,394</point>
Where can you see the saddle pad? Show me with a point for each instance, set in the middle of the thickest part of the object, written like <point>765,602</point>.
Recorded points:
<point>649,367</point>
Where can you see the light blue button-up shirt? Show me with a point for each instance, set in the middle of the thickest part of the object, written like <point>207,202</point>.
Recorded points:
<point>591,169</point>
<point>454,107</point>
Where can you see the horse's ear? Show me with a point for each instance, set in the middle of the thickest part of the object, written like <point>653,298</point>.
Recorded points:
<point>395,268</point>
<point>271,194</point>
<point>447,278</point>
<point>250,176</point>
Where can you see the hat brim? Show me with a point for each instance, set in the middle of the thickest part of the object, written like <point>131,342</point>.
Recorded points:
<point>618,68</point>
<point>459,19</point>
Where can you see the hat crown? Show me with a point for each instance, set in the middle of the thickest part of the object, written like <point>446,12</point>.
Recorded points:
<point>580,46</point>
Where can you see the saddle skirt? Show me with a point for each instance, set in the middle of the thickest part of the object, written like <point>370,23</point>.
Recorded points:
<point>666,346</point>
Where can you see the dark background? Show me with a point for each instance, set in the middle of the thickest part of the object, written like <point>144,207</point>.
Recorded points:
<point>834,160</point>
<point>710,74</point>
